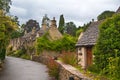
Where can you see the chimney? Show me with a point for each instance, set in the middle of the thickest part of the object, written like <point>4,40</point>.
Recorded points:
<point>92,20</point>
<point>53,22</point>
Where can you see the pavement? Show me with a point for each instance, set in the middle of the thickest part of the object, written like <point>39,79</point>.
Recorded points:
<point>20,69</point>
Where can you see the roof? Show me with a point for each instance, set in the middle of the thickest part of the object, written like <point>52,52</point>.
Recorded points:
<point>118,10</point>
<point>90,36</point>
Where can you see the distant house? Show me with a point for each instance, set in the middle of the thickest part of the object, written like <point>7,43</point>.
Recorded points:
<point>86,42</point>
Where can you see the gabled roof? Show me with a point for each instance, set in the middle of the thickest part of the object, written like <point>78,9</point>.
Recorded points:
<point>90,36</point>
<point>118,11</point>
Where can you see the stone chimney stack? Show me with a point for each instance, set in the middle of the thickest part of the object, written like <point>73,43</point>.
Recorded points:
<point>92,20</point>
<point>45,23</point>
<point>53,23</point>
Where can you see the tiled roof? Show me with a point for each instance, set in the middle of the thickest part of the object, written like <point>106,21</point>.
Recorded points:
<point>90,36</point>
<point>118,11</point>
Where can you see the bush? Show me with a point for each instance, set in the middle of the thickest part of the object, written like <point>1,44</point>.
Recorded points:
<point>2,54</point>
<point>21,53</point>
<point>107,45</point>
<point>92,68</point>
<point>105,14</point>
<point>69,58</point>
<point>53,68</point>
<point>114,67</point>
<point>67,43</point>
<point>25,56</point>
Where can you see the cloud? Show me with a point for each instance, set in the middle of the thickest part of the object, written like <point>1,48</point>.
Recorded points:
<point>19,11</point>
<point>78,11</point>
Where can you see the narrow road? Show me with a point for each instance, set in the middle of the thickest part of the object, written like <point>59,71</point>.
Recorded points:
<point>20,69</point>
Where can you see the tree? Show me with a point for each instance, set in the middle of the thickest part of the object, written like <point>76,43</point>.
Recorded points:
<point>15,19</point>
<point>5,5</point>
<point>108,47</point>
<point>70,28</point>
<point>61,24</point>
<point>78,31</point>
<point>105,14</point>
<point>30,25</point>
<point>6,27</point>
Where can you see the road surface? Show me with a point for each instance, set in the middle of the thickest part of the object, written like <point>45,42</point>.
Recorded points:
<point>20,69</point>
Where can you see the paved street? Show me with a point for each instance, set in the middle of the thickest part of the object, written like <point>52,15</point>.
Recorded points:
<point>20,69</point>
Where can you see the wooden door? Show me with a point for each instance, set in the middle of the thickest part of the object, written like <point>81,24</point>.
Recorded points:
<point>89,56</point>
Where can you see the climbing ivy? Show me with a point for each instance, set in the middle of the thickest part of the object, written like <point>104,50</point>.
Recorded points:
<point>67,43</point>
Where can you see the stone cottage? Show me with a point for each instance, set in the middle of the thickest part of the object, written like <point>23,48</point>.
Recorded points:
<point>28,40</point>
<point>86,42</point>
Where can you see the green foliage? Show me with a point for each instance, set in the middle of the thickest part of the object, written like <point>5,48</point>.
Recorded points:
<point>107,44</point>
<point>114,67</point>
<point>93,68</point>
<point>25,56</point>
<point>30,25</point>
<point>85,26</point>
<point>21,53</point>
<point>16,34</point>
<point>69,58</point>
<point>5,5</point>
<point>105,14</point>
<point>2,53</point>
<point>70,28</point>
<point>15,19</point>
<point>79,30</point>
<point>67,43</point>
<point>61,24</point>
<point>18,53</point>
<point>6,27</point>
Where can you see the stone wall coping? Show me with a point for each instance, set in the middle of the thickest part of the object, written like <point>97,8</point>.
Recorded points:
<point>72,70</point>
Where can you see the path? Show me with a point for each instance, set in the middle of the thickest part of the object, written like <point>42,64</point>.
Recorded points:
<point>20,69</point>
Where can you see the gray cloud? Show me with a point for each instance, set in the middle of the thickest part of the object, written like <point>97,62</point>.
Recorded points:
<point>78,11</point>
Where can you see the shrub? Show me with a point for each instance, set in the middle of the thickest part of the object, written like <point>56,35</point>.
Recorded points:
<point>19,53</point>
<point>67,43</point>
<point>92,68</point>
<point>53,68</point>
<point>114,67</point>
<point>69,58</point>
<point>25,56</point>
<point>107,44</point>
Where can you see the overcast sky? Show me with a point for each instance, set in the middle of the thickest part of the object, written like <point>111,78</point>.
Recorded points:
<point>78,11</point>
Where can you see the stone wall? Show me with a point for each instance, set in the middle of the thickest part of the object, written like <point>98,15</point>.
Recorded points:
<point>67,72</point>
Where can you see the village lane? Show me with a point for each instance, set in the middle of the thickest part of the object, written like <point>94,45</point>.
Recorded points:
<point>20,69</point>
